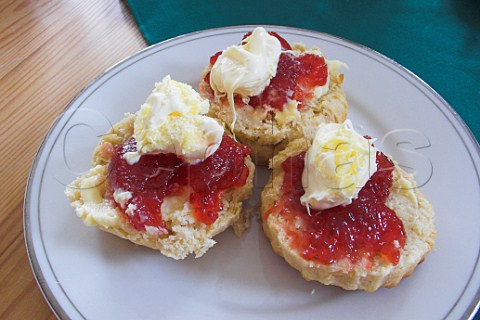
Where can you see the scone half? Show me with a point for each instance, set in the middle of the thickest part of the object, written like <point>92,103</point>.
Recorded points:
<point>266,128</point>
<point>371,272</point>
<point>182,234</point>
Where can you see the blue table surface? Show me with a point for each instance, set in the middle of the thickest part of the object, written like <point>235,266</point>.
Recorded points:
<point>438,40</point>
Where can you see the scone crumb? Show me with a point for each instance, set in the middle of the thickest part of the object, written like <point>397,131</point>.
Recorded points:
<point>243,222</point>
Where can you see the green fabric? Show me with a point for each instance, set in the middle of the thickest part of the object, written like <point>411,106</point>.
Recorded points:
<point>437,40</point>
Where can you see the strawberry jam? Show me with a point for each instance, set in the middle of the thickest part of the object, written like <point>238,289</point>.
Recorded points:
<point>156,176</point>
<point>295,78</point>
<point>366,228</point>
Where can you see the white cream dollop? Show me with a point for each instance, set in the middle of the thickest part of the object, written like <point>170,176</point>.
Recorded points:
<point>246,69</point>
<point>172,121</point>
<point>337,165</point>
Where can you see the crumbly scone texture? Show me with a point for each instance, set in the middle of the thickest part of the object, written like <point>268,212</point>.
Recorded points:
<point>262,130</point>
<point>185,235</point>
<point>410,205</point>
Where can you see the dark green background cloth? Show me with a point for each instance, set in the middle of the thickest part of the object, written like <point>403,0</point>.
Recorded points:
<point>437,40</point>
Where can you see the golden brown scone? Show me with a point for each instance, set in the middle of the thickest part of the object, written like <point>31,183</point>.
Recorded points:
<point>185,235</point>
<point>410,205</point>
<point>264,130</point>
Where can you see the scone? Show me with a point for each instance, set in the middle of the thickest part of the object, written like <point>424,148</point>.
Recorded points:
<point>168,177</point>
<point>344,214</point>
<point>270,93</point>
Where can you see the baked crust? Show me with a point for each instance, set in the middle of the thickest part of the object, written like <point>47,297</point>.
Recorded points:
<point>410,205</point>
<point>186,236</point>
<point>263,132</point>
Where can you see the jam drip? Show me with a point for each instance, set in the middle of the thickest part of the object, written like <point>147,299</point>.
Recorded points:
<point>366,228</point>
<point>295,79</point>
<point>156,176</point>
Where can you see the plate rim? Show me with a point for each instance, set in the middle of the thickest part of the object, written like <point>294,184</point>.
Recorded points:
<point>45,289</point>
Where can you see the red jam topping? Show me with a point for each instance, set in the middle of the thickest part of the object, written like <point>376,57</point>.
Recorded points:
<point>157,176</point>
<point>296,78</point>
<point>366,228</point>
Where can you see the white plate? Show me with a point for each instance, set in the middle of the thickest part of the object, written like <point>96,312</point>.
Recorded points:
<point>86,273</point>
